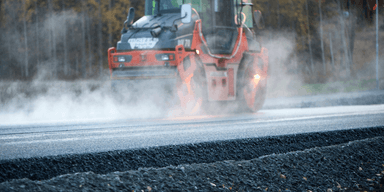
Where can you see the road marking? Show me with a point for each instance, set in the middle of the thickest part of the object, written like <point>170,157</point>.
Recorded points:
<point>320,116</point>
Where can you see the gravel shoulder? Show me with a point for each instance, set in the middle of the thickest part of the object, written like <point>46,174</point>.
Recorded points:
<point>353,166</point>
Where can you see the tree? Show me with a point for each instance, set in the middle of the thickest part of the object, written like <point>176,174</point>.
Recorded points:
<point>25,42</point>
<point>66,67</point>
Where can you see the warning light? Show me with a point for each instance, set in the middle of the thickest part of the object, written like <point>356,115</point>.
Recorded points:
<point>256,79</point>
<point>197,51</point>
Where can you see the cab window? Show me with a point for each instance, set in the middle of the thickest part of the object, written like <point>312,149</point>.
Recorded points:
<point>246,15</point>
<point>196,4</point>
<point>151,6</point>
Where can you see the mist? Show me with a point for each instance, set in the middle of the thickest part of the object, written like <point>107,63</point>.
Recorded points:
<point>44,100</point>
<point>284,80</point>
<point>81,101</point>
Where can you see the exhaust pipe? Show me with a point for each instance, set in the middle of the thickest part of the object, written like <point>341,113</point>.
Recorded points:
<point>156,31</point>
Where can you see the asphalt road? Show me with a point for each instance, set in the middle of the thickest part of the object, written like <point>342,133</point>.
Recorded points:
<point>47,139</point>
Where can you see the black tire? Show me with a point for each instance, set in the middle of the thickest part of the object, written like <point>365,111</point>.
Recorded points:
<point>243,81</point>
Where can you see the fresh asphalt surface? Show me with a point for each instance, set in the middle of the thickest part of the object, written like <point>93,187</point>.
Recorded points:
<point>47,138</point>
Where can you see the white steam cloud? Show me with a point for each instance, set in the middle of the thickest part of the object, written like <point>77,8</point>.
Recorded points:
<point>80,101</point>
<point>281,82</point>
<point>43,101</point>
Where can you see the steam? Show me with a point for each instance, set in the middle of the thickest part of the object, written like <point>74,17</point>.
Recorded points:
<point>45,99</point>
<point>283,80</point>
<point>79,101</point>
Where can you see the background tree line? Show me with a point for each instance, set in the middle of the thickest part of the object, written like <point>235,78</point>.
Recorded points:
<point>65,39</point>
<point>68,39</point>
<point>324,32</point>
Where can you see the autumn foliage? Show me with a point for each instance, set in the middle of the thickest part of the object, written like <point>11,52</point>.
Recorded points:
<point>68,39</point>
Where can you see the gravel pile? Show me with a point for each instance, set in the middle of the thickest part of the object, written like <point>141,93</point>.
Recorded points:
<point>354,166</point>
<point>43,168</point>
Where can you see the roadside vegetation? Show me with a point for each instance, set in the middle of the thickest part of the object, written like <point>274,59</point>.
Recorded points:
<point>333,40</point>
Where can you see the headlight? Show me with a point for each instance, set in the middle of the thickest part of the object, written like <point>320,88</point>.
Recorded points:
<point>121,59</point>
<point>165,57</point>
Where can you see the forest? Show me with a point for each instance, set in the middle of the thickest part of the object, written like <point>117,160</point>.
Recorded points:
<point>69,39</point>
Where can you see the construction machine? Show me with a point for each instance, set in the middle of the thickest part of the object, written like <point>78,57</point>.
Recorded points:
<point>205,50</point>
